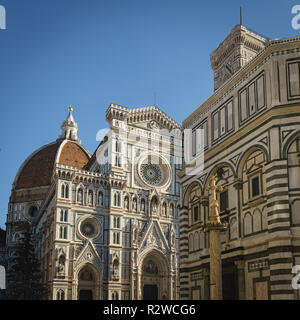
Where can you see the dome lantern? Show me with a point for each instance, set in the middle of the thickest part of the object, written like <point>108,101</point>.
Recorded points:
<point>69,128</point>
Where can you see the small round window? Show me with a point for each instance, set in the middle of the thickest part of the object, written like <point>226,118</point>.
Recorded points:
<point>89,228</point>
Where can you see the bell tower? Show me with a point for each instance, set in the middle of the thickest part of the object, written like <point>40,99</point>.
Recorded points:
<point>240,46</point>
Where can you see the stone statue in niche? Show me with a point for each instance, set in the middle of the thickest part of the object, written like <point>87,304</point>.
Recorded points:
<point>134,205</point>
<point>79,196</point>
<point>61,263</point>
<point>143,205</point>
<point>154,206</point>
<point>90,198</point>
<point>116,269</point>
<point>126,203</point>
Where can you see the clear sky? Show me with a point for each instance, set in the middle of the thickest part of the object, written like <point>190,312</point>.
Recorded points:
<point>90,53</point>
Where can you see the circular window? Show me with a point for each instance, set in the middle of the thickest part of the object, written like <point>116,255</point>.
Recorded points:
<point>151,173</point>
<point>89,228</point>
<point>154,171</point>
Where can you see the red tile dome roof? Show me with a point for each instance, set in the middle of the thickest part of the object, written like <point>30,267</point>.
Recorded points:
<point>37,169</point>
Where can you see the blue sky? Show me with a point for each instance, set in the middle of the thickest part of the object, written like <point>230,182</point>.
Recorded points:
<point>91,53</point>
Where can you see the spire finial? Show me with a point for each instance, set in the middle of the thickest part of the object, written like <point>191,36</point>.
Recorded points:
<point>70,108</point>
<point>241,15</point>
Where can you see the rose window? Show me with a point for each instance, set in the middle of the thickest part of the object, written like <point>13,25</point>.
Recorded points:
<point>89,228</point>
<point>154,171</point>
<point>151,173</point>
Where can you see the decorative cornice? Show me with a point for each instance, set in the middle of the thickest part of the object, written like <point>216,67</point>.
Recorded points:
<point>273,47</point>
<point>140,114</point>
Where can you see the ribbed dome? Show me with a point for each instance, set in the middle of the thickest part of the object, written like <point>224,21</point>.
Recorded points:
<point>37,170</point>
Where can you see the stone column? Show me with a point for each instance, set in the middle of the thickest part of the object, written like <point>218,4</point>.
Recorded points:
<point>279,228</point>
<point>215,263</point>
<point>74,289</point>
<point>171,286</point>
<point>133,288</point>
<point>241,279</point>
<point>139,289</point>
<point>215,226</point>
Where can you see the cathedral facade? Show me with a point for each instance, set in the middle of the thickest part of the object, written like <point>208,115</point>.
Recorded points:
<point>251,143</point>
<point>105,224</point>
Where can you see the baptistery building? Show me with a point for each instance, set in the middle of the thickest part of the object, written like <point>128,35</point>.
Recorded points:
<point>105,224</point>
<point>250,129</point>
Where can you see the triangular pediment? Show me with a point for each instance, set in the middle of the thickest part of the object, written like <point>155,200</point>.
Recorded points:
<point>89,255</point>
<point>154,237</point>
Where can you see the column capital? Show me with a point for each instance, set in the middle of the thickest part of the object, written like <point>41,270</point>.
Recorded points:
<point>238,184</point>
<point>240,264</point>
<point>204,201</point>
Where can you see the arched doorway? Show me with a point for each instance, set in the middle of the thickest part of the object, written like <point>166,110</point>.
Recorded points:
<point>86,284</point>
<point>155,279</point>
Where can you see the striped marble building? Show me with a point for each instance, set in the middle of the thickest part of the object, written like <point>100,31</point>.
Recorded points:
<point>251,126</point>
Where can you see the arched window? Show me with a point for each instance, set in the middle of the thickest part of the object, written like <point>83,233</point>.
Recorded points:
<point>63,232</point>
<point>116,222</point>
<point>118,161</point>
<point>33,212</point>
<point>66,216</point>
<point>196,241</point>
<point>118,145</point>
<point>117,199</point>
<point>67,192</point>
<point>61,215</point>
<point>115,295</point>
<point>16,237</point>
<point>60,295</point>
<point>62,190</point>
<point>191,243</point>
